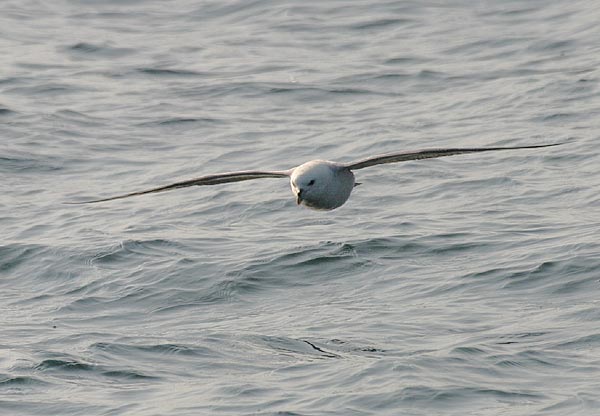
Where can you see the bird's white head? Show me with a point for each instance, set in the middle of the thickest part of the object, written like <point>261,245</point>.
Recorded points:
<point>321,185</point>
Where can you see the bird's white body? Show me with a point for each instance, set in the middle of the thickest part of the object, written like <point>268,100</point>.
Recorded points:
<point>322,185</point>
<point>318,184</point>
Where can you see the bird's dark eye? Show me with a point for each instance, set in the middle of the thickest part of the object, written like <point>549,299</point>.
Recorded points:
<point>311,183</point>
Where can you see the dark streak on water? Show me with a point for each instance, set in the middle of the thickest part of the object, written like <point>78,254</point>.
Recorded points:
<point>466,285</point>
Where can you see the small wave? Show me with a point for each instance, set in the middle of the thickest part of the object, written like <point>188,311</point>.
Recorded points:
<point>8,381</point>
<point>559,117</point>
<point>290,346</point>
<point>169,72</point>
<point>316,90</point>
<point>94,50</point>
<point>14,255</point>
<point>352,347</point>
<point>468,351</point>
<point>50,89</point>
<point>28,164</point>
<point>440,396</point>
<point>553,46</point>
<point>405,60</point>
<point>65,365</point>
<point>176,121</point>
<point>71,365</point>
<point>363,78</point>
<point>185,120</point>
<point>295,267</point>
<point>132,250</point>
<point>529,360</point>
<point>127,374</point>
<point>381,24</point>
<point>159,349</point>
<point>79,118</point>
<point>586,342</point>
<point>458,247</point>
<point>575,273</point>
<point>306,262</point>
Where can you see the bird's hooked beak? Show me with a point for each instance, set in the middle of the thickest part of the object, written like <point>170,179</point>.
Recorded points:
<point>298,196</point>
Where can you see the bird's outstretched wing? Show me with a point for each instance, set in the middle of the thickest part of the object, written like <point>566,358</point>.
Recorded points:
<point>428,154</point>
<point>203,180</point>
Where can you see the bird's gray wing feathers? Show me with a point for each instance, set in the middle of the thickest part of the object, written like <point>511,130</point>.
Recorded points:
<point>428,154</point>
<point>203,180</point>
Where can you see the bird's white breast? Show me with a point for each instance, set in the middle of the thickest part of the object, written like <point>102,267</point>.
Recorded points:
<point>322,184</point>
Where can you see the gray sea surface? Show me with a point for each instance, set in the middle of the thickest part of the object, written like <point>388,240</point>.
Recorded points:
<point>467,285</point>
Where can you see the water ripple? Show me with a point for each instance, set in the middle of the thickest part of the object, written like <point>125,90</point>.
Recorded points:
<point>463,285</point>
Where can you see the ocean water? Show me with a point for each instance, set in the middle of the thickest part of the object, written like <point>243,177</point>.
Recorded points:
<point>467,285</point>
